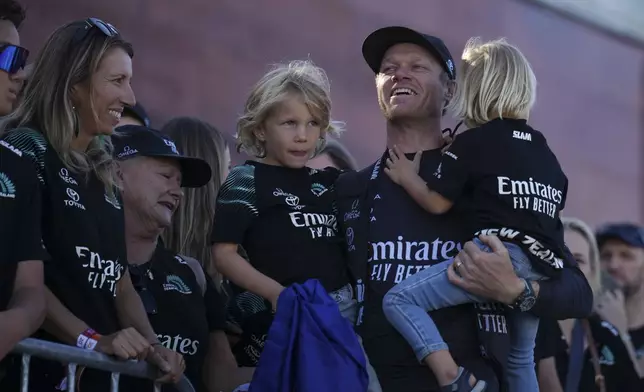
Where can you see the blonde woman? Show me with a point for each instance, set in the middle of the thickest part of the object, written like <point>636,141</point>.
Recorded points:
<point>508,183</point>
<point>192,223</point>
<point>279,210</point>
<point>79,86</point>
<point>592,354</point>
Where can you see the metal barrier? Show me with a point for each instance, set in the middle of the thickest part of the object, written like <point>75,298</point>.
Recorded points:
<point>74,356</point>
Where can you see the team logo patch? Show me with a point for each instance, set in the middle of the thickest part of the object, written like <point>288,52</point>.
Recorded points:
<point>7,188</point>
<point>175,283</point>
<point>318,189</point>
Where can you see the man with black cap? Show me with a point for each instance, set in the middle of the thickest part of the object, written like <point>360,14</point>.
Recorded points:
<point>621,251</point>
<point>390,237</point>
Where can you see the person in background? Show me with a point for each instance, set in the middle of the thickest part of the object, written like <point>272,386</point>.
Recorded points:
<point>247,317</point>
<point>189,233</point>
<point>621,251</point>
<point>79,85</point>
<point>573,355</point>
<point>182,302</point>
<point>134,115</point>
<point>22,294</point>
<point>333,154</point>
<point>13,57</point>
<point>280,211</point>
<point>390,237</point>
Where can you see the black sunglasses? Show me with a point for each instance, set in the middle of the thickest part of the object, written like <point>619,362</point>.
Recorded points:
<point>139,281</point>
<point>13,58</point>
<point>91,23</point>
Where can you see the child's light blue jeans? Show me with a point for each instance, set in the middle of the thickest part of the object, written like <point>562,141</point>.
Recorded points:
<point>406,306</point>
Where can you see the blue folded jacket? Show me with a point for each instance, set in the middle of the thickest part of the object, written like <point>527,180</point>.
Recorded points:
<point>310,346</point>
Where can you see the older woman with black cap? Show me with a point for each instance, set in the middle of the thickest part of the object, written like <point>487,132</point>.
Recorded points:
<point>182,303</point>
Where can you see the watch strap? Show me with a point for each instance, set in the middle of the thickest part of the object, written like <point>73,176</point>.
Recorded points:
<point>527,292</point>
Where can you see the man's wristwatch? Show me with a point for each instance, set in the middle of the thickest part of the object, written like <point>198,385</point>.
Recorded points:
<point>526,300</point>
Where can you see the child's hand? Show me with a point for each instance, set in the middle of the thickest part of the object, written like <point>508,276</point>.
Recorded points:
<point>400,169</point>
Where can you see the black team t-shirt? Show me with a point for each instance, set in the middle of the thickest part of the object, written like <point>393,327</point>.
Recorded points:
<point>403,240</point>
<point>181,314</point>
<point>615,363</point>
<point>82,231</point>
<point>285,220</point>
<point>637,337</point>
<point>20,212</point>
<point>509,183</point>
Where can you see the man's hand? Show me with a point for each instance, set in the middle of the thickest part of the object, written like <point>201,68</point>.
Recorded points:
<point>400,169</point>
<point>171,363</point>
<point>486,274</point>
<point>125,344</point>
<point>610,307</point>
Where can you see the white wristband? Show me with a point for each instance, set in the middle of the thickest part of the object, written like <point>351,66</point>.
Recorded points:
<point>81,341</point>
<point>86,343</point>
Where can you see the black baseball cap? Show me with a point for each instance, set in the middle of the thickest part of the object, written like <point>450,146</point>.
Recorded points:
<point>137,111</point>
<point>377,43</point>
<point>628,233</point>
<point>137,141</point>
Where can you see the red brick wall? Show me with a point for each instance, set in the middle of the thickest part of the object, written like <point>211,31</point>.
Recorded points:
<point>200,57</point>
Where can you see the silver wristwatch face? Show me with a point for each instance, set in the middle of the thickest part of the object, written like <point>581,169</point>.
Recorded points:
<point>527,303</point>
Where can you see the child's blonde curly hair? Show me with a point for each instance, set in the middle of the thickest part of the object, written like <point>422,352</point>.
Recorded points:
<point>299,77</point>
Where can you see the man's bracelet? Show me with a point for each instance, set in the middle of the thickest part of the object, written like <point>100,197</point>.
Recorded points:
<point>88,339</point>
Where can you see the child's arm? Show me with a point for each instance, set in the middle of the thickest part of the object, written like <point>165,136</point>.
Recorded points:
<point>235,212</point>
<point>404,172</point>
<point>231,265</point>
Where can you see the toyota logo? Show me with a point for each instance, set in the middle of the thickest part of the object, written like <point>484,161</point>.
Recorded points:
<point>73,194</point>
<point>292,201</point>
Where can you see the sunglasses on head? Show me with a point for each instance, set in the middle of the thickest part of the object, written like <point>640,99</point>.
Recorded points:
<point>13,58</point>
<point>139,281</point>
<point>91,23</point>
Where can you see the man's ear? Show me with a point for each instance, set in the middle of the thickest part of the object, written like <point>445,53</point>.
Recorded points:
<point>449,92</point>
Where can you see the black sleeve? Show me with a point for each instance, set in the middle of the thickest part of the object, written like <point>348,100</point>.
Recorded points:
<point>619,371</point>
<point>453,172</point>
<point>564,297</point>
<point>548,337</point>
<point>215,307</point>
<point>565,195</point>
<point>20,208</point>
<point>236,206</point>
